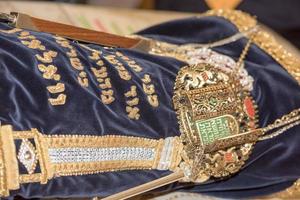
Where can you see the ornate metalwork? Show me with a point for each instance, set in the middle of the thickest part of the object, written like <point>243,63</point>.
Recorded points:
<point>217,120</point>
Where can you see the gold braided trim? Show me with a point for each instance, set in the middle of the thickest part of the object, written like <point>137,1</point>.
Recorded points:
<point>9,165</point>
<point>263,39</point>
<point>68,155</point>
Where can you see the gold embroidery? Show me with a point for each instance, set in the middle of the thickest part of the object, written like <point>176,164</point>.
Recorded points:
<point>84,82</point>
<point>11,31</point>
<point>74,60</point>
<point>72,53</point>
<point>29,37</point>
<point>263,39</point>
<point>149,90</point>
<point>85,155</point>
<point>49,72</point>
<point>132,92</point>
<point>153,100</point>
<point>76,63</point>
<point>30,178</point>
<point>133,102</point>
<point>65,43</point>
<point>107,96</point>
<point>34,44</point>
<point>60,100</point>
<point>133,112</point>
<point>131,63</point>
<point>106,84</point>
<point>58,88</point>
<point>146,79</point>
<point>94,56</point>
<point>101,75</point>
<point>8,161</point>
<point>131,108</point>
<point>123,73</point>
<point>24,33</point>
<point>47,56</point>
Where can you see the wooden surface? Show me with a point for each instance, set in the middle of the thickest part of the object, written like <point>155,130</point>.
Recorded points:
<point>113,20</point>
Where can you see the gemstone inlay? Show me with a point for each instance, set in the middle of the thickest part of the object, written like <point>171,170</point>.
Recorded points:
<point>69,155</point>
<point>27,156</point>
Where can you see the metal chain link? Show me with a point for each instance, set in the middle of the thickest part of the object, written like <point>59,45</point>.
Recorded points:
<point>288,121</point>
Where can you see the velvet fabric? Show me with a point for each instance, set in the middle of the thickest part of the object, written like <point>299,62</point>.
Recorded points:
<point>273,165</point>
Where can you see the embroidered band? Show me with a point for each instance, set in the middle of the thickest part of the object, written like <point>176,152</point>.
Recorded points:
<point>29,156</point>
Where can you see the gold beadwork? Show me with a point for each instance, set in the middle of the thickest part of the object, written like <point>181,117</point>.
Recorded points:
<point>60,100</point>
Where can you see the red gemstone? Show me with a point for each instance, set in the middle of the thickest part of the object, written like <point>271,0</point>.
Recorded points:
<point>228,157</point>
<point>249,107</point>
<point>205,76</point>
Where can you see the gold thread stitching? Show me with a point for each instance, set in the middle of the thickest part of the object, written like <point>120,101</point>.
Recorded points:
<point>10,162</point>
<point>131,108</point>
<point>149,90</point>
<point>59,100</point>
<point>74,60</point>
<point>58,88</point>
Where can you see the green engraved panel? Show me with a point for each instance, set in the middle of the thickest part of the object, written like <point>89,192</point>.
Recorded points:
<point>216,128</point>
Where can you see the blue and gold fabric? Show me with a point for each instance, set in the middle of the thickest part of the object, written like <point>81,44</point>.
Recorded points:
<point>82,120</point>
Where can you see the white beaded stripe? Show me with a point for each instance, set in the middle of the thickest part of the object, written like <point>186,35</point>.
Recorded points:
<point>166,154</point>
<point>70,155</point>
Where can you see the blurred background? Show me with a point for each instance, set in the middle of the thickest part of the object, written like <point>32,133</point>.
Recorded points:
<point>118,16</point>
